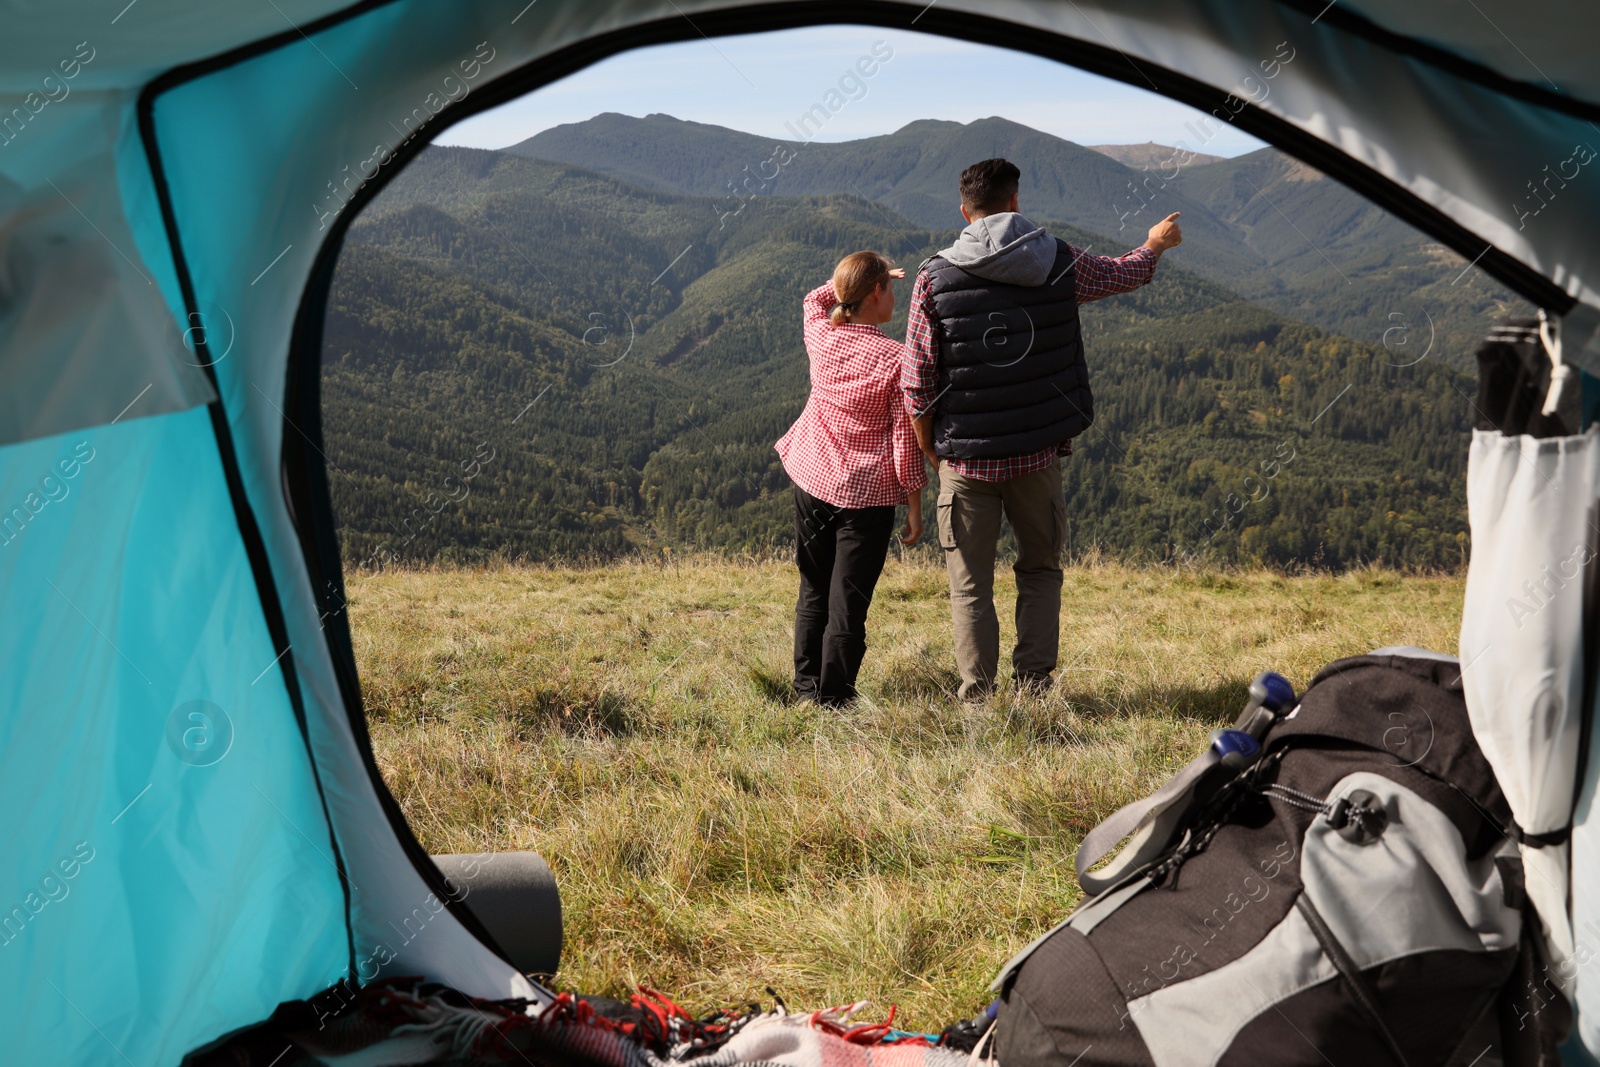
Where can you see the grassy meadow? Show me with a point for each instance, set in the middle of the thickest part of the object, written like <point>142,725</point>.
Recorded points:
<point>711,837</point>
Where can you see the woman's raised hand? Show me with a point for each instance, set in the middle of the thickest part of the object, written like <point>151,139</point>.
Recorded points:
<point>897,272</point>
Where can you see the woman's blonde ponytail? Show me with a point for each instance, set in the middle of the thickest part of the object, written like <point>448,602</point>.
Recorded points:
<point>856,277</point>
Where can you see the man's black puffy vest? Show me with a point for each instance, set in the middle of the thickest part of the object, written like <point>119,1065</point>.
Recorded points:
<point>1012,377</point>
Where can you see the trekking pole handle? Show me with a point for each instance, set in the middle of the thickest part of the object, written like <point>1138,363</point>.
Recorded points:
<point>1270,695</point>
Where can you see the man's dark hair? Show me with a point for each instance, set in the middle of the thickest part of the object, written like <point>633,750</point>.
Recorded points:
<point>987,186</point>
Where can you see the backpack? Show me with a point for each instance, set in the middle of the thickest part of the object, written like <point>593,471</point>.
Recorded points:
<point>1333,882</point>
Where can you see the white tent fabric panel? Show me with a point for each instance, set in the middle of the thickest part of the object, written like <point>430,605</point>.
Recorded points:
<point>1533,543</point>
<point>1585,963</point>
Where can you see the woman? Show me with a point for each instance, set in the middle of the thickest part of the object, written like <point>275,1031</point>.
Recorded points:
<point>852,457</point>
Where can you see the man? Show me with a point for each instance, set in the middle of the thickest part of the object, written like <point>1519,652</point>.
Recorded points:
<point>995,377</point>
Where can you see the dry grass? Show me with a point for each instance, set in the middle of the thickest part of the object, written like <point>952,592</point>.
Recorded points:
<point>631,723</point>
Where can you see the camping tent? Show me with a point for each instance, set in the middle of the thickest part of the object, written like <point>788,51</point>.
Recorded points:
<point>195,829</point>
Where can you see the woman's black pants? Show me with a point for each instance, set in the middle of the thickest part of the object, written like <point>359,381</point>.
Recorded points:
<point>840,552</point>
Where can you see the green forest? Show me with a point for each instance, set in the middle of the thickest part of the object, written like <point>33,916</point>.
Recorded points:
<point>531,360</point>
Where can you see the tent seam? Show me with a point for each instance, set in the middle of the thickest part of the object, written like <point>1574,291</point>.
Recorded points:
<point>244,515</point>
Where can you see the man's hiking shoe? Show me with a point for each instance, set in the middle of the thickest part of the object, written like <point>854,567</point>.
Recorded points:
<point>1034,685</point>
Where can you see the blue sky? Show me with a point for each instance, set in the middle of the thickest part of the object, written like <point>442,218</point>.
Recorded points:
<point>759,82</point>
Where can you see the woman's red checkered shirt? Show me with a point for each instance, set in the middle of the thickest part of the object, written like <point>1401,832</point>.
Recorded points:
<point>853,445</point>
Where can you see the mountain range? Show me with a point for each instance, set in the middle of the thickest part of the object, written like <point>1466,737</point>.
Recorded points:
<point>1270,228</point>
<point>541,359</point>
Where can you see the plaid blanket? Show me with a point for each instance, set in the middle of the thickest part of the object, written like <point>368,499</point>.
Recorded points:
<point>794,1041</point>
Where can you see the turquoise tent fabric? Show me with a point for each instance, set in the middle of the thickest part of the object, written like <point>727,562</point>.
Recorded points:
<point>195,830</point>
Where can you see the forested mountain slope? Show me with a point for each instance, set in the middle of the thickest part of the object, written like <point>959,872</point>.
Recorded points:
<point>527,359</point>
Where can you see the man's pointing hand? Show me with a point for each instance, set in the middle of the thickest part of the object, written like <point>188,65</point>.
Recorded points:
<point>1164,234</point>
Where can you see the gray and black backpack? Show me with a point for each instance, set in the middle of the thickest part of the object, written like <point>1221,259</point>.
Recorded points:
<point>1335,881</point>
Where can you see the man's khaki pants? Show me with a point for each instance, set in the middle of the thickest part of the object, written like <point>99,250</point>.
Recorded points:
<point>969,529</point>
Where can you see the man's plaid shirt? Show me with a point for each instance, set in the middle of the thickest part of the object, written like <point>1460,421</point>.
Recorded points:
<point>1097,276</point>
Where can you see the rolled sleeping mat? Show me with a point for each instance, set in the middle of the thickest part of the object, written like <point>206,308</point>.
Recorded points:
<point>514,895</point>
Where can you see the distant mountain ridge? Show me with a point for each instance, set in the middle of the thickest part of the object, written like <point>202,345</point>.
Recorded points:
<point>1264,224</point>
<point>1151,154</point>
<point>912,171</point>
